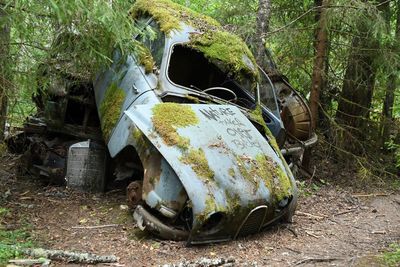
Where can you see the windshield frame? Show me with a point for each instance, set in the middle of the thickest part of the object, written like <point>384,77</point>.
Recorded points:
<point>275,111</point>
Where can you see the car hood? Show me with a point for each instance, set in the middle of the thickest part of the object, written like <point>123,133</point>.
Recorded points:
<point>226,166</point>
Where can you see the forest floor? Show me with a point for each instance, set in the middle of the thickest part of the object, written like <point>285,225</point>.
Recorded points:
<point>332,227</point>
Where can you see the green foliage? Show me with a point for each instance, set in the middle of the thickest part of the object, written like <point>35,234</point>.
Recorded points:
<point>73,37</point>
<point>12,240</point>
<point>3,212</point>
<point>392,257</point>
<point>395,148</point>
<point>309,188</point>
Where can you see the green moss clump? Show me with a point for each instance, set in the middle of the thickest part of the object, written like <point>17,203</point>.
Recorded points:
<point>110,109</point>
<point>210,206</point>
<point>282,184</point>
<point>192,99</point>
<point>256,115</point>
<point>146,59</point>
<point>275,179</point>
<point>169,15</point>
<point>253,169</point>
<point>221,46</point>
<point>214,42</point>
<point>137,135</point>
<point>140,140</point>
<point>233,201</point>
<point>231,172</point>
<point>196,158</point>
<point>169,116</point>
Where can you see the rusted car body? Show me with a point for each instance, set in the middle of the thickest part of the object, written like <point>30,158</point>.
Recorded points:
<point>191,122</point>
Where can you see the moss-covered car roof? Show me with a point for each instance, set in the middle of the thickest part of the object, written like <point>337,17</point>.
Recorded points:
<point>214,42</point>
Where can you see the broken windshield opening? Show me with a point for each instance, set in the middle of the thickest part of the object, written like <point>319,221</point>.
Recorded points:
<point>267,93</point>
<point>191,69</point>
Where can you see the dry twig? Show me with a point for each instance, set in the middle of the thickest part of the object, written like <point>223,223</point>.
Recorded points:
<point>67,256</point>
<point>95,226</point>
<point>346,211</point>
<point>314,260</point>
<point>371,195</point>
<point>300,213</point>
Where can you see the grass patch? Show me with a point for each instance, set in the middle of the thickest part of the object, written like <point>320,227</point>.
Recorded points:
<point>11,241</point>
<point>392,257</point>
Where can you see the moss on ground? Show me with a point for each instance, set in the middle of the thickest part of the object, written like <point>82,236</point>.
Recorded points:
<point>392,257</point>
<point>216,43</point>
<point>196,158</point>
<point>167,117</point>
<point>110,109</point>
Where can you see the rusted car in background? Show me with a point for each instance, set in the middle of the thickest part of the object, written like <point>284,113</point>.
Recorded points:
<point>190,124</point>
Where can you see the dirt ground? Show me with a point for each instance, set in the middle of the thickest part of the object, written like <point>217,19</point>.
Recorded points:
<point>332,227</point>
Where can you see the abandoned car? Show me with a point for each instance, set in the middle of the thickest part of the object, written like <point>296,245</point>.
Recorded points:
<point>189,120</point>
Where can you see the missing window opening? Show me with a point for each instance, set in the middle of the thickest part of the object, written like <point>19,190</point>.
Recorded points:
<point>191,69</point>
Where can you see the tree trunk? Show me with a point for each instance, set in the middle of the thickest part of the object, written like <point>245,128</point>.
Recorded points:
<point>319,74</point>
<point>357,90</point>
<point>262,27</point>
<point>387,112</point>
<point>4,74</point>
